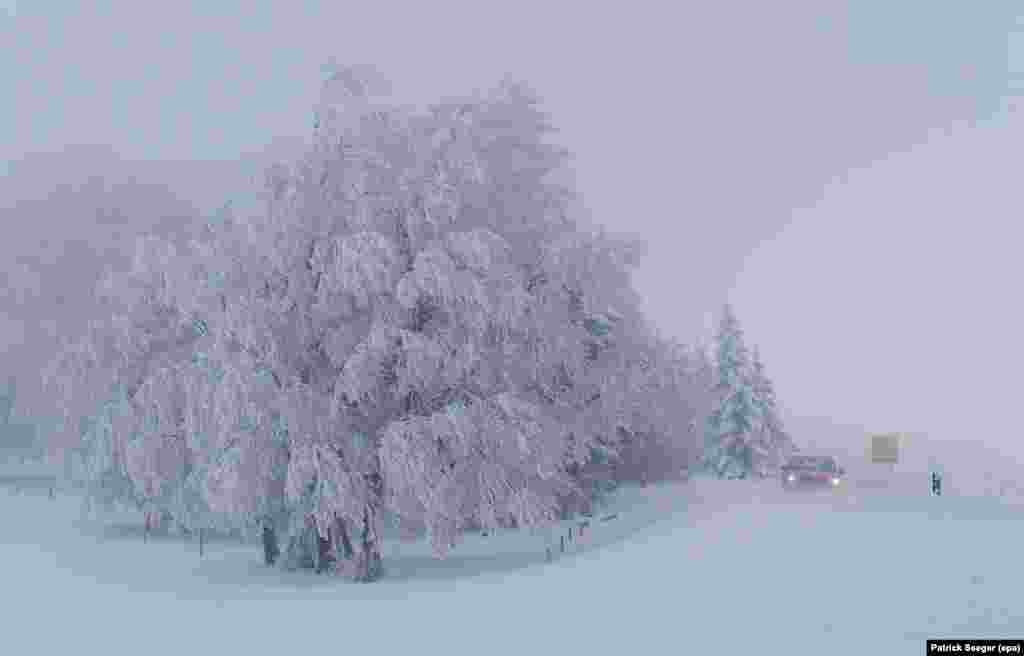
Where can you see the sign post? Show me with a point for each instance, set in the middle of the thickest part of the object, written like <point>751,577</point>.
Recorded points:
<point>935,475</point>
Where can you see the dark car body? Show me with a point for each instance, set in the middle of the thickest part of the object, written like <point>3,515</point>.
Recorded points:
<point>811,471</point>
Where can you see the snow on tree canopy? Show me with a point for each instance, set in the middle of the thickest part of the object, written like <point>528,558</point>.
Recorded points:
<point>365,266</point>
<point>412,323</point>
<point>488,464</point>
<point>432,278</point>
<point>481,251</point>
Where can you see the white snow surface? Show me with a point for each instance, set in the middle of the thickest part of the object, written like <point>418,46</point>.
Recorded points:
<point>692,567</point>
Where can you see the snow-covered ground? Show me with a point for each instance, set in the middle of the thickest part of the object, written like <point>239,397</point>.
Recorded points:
<point>698,567</point>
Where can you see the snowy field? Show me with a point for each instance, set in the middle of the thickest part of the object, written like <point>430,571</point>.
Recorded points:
<point>731,565</point>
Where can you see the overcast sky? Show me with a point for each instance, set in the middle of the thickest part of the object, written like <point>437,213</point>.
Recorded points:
<point>712,129</point>
<point>895,300</point>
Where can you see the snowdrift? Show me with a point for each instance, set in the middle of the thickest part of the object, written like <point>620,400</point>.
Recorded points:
<point>682,568</point>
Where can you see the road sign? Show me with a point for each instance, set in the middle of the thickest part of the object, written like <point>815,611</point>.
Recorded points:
<point>884,448</point>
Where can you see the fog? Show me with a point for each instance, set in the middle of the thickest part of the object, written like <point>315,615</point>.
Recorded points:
<point>893,302</point>
<point>841,171</point>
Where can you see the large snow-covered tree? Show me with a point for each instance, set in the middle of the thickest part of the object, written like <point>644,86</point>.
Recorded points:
<point>414,325</point>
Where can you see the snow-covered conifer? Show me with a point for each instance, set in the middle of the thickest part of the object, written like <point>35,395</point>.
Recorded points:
<point>730,428</point>
<point>773,444</point>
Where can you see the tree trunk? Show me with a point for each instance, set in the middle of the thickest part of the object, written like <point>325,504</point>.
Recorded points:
<point>271,550</point>
<point>308,550</point>
<point>346,543</point>
<point>325,552</point>
<point>368,564</point>
<point>301,550</point>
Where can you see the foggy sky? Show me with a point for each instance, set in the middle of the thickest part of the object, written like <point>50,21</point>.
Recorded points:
<point>704,127</point>
<point>895,301</point>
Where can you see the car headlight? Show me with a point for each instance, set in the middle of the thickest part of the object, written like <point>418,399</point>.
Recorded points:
<point>835,481</point>
<point>791,478</point>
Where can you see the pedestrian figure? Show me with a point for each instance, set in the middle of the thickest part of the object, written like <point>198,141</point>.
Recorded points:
<point>936,484</point>
<point>271,551</point>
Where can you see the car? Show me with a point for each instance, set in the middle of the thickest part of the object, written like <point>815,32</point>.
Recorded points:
<point>811,471</point>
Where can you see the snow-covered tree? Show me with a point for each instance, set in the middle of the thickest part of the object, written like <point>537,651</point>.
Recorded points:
<point>103,379</point>
<point>413,326</point>
<point>685,403</point>
<point>772,443</point>
<point>744,432</point>
<point>703,376</point>
<point>729,447</point>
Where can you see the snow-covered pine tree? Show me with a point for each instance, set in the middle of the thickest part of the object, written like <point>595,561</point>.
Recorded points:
<point>772,443</point>
<point>730,448</point>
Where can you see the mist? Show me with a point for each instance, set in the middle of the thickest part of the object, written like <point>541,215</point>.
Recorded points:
<point>842,173</point>
<point>715,133</point>
<point>892,302</point>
